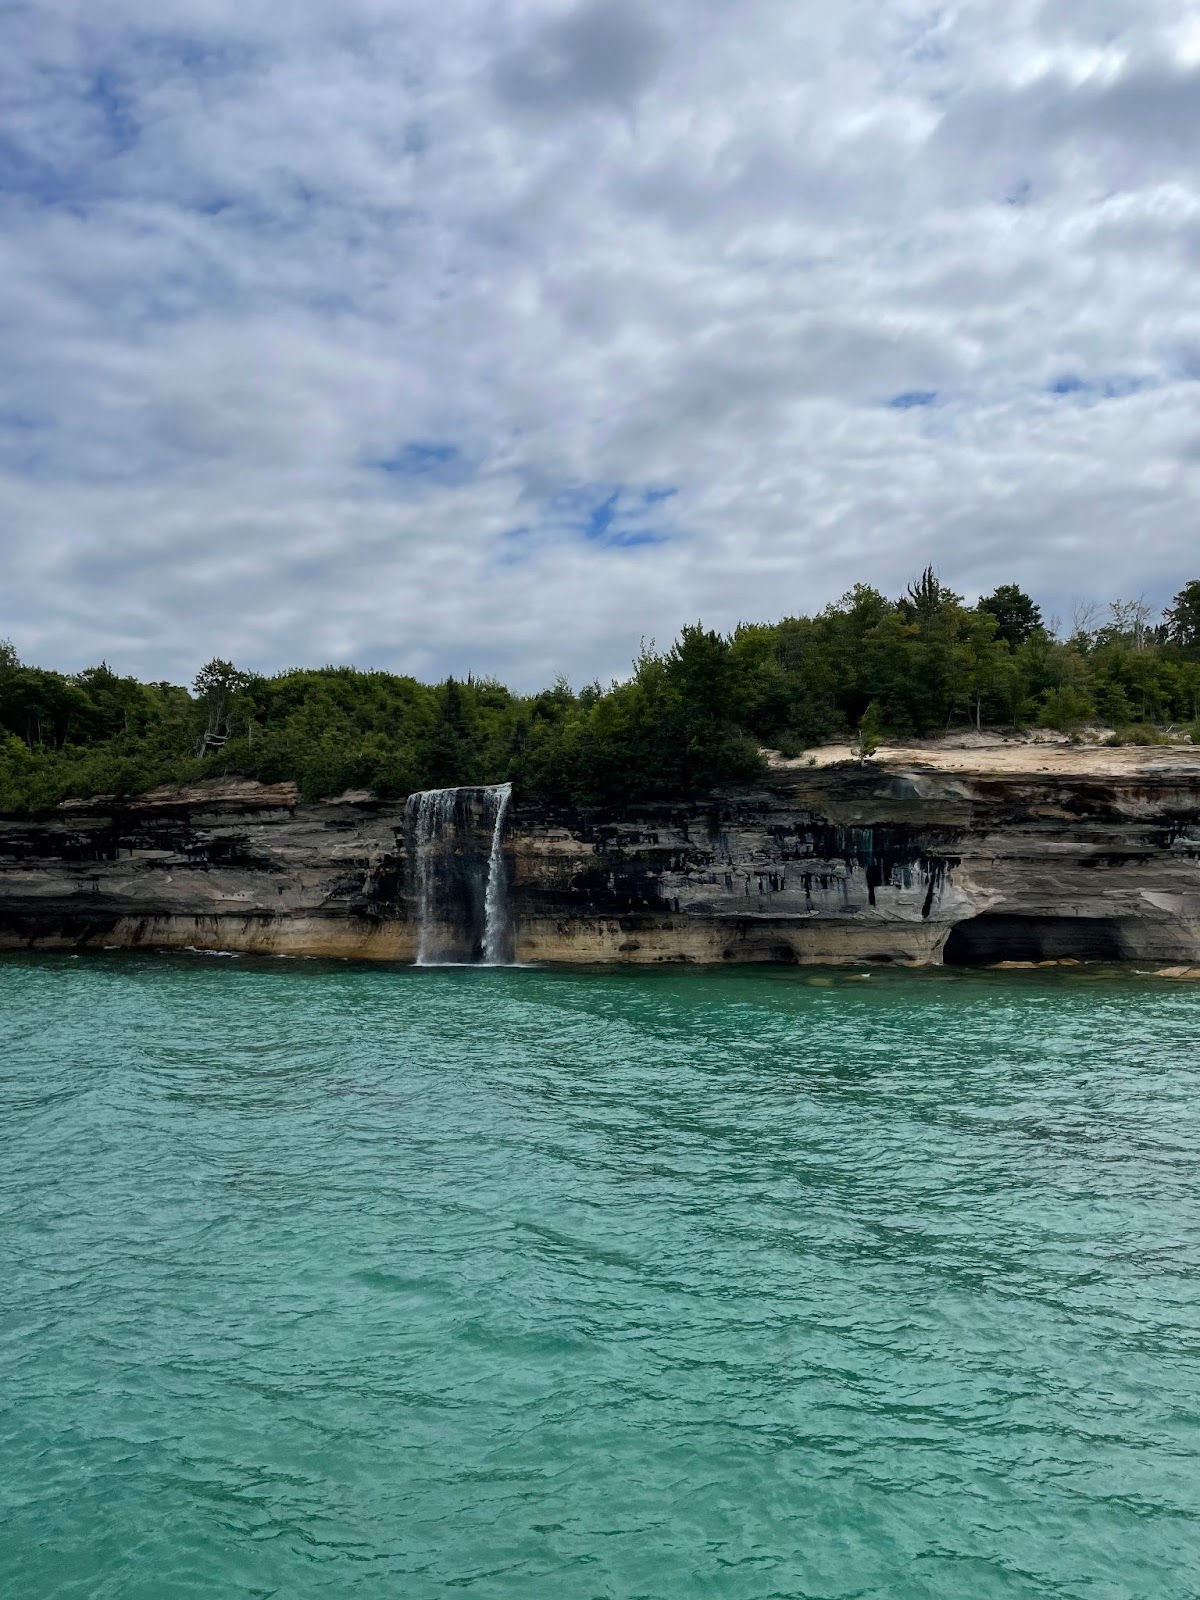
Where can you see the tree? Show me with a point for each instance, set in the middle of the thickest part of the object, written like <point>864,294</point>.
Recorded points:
<point>1182,617</point>
<point>218,685</point>
<point>926,594</point>
<point>123,705</point>
<point>684,721</point>
<point>1065,708</point>
<point>697,669</point>
<point>870,731</point>
<point>219,680</point>
<point>45,708</point>
<point>449,751</point>
<point>991,676</point>
<point>1017,617</point>
<point>1129,620</point>
<point>1084,613</point>
<point>1189,689</point>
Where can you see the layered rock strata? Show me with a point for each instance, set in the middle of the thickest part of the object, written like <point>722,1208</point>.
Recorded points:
<point>836,863</point>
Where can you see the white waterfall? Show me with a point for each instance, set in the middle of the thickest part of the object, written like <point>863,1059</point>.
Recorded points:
<point>495,899</point>
<point>460,902</point>
<point>428,817</point>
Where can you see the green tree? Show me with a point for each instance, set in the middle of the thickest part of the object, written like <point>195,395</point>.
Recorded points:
<point>219,688</point>
<point>449,754</point>
<point>870,731</point>
<point>46,709</point>
<point>1183,618</point>
<point>1017,617</point>
<point>925,595</point>
<point>1066,707</point>
<point>686,719</point>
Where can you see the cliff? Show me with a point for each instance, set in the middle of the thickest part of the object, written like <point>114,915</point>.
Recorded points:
<point>925,855</point>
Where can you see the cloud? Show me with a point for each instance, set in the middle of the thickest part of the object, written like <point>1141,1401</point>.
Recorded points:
<point>495,337</point>
<point>602,53</point>
<point>1126,124</point>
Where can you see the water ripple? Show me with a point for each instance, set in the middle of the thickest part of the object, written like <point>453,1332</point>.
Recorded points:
<point>327,1280</point>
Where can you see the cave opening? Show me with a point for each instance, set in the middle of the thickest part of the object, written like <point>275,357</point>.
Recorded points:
<point>1001,936</point>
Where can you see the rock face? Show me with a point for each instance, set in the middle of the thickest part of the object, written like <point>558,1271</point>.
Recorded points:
<point>827,864</point>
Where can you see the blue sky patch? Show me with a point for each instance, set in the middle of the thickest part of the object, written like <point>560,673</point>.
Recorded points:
<point>419,458</point>
<point>1113,387</point>
<point>634,538</point>
<point>601,519</point>
<point>22,173</point>
<point>912,399</point>
<point>611,518</point>
<point>116,107</point>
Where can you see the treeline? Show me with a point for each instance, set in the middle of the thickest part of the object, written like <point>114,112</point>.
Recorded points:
<point>688,717</point>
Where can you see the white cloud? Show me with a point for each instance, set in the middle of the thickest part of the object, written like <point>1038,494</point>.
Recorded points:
<point>332,333</point>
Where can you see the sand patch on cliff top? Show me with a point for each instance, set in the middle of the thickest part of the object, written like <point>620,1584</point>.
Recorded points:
<point>1022,755</point>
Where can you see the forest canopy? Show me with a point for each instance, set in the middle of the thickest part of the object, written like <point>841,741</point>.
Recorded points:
<point>688,717</point>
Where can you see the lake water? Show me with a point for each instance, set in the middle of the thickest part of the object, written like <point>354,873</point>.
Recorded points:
<point>335,1281</point>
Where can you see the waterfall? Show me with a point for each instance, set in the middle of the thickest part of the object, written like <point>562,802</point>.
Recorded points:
<point>495,899</point>
<point>427,818</point>
<point>459,893</point>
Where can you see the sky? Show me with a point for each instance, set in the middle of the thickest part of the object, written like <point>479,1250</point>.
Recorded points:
<point>498,335</point>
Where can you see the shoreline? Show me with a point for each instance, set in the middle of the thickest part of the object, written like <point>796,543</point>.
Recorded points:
<point>807,973</point>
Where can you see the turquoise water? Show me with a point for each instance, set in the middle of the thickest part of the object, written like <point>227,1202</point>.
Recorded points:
<point>336,1281</point>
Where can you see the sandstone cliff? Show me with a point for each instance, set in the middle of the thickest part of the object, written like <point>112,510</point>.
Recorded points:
<point>913,859</point>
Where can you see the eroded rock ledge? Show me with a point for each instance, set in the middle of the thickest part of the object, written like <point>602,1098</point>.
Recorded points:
<point>909,860</point>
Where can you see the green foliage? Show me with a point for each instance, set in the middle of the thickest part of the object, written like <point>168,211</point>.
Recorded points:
<point>668,730</point>
<point>925,597</point>
<point>870,731</point>
<point>687,719</point>
<point>1183,618</point>
<point>790,745</point>
<point>1017,617</point>
<point>1065,708</point>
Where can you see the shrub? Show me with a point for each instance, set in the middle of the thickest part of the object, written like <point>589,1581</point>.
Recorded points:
<point>791,744</point>
<point>1065,708</point>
